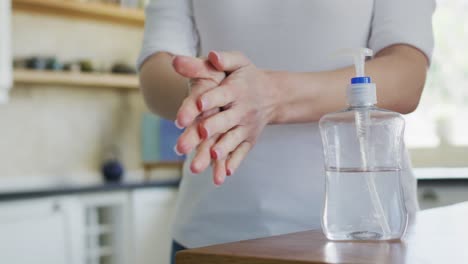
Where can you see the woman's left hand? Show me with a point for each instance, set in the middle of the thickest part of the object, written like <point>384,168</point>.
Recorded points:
<point>248,99</point>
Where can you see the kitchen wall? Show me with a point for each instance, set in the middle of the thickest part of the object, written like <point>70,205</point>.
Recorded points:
<point>63,131</point>
<point>69,38</point>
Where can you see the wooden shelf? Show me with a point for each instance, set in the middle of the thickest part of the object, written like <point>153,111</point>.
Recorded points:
<point>154,167</point>
<point>94,11</point>
<point>94,80</point>
<point>163,165</point>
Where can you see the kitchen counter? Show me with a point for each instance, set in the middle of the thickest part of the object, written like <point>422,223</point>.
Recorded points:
<point>83,188</point>
<point>435,236</point>
<point>443,176</point>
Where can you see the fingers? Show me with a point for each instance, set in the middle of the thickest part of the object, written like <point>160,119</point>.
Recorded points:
<point>210,112</point>
<point>219,123</point>
<point>189,110</point>
<point>228,143</point>
<point>188,140</point>
<point>190,137</point>
<point>237,156</point>
<point>219,97</point>
<point>219,172</point>
<point>204,77</point>
<point>228,61</point>
<point>202,159</point>
<point>196,68</point>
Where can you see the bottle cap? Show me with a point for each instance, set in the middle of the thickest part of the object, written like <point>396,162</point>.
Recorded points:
<point>361,91</point>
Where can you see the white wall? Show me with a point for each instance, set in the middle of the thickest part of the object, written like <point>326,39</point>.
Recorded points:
<point>55,131</point>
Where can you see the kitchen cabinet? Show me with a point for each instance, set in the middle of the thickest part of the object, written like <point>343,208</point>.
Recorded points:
<point>36,232</point>
<point>441,186</point>
<point>152,211</point>
<point>105,222</point>
<point>98,227</point>
<point>437,193</point>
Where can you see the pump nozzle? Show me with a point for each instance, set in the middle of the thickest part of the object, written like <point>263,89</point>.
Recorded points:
<point>359,55</point>
<point>361,90</point>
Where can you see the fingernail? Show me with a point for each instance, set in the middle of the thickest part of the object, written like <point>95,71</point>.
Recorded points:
<point>218,57</point>
<point>200,104</point>
<point>202,131</point>
<point>228,172</point>
<point>177,124</point>
<point>177,151</point>
<point>214,154</point>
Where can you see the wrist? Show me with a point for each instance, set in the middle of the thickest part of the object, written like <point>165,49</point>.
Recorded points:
<point>276,95</point>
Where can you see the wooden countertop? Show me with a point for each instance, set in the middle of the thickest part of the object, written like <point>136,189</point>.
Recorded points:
<point>435,236</point>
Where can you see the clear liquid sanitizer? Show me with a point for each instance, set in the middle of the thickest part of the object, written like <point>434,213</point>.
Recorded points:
<point>362,148</point>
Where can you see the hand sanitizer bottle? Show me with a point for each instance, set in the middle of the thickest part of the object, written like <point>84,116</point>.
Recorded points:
<point>362,147</point>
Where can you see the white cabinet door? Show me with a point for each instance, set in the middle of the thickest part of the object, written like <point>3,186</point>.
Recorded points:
<point>152,211</point>
<point>33,231</point>
<point>106,222</point>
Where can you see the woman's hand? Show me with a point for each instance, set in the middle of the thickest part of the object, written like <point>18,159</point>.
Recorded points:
<point>248,100</point>
<point>203,77</point>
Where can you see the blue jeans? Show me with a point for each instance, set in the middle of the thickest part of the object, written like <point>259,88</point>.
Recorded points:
<point>175,248</point>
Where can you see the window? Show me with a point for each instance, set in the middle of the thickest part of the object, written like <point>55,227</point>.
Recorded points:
<point>437,133</point>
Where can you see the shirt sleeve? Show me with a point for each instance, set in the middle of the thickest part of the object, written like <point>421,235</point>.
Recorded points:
<point>169,27</point>
<point>403,22</point>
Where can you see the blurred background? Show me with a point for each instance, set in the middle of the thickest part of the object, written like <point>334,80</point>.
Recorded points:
<point>88,175</point>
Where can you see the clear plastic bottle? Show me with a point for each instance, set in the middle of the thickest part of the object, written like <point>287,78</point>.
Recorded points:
<point>362,149</point>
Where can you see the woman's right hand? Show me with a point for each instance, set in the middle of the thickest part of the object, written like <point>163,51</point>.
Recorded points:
<point>203,77</point>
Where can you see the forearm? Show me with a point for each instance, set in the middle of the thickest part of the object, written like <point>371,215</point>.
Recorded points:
<point>163,89</point>
<point>398,71</point>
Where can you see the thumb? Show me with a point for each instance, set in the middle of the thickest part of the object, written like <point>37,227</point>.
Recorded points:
<point>228,61</point>
<point>196,68</point>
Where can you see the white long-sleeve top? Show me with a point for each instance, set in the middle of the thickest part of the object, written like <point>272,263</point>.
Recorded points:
<point>279,187</point>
